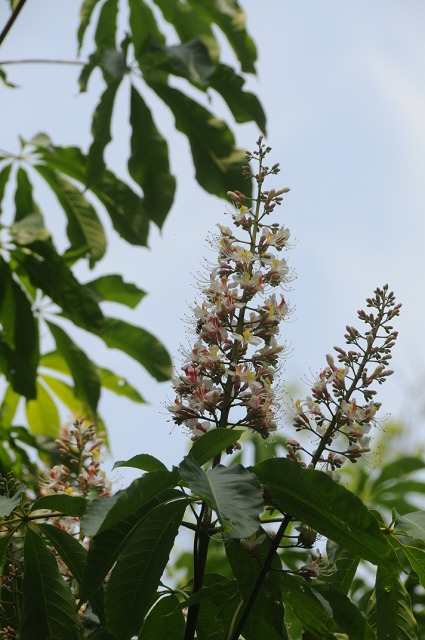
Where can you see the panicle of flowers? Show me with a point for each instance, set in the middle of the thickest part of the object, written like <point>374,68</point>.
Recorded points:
<point>81,450</point>
<point>227,379</point>
<point>341,408</point>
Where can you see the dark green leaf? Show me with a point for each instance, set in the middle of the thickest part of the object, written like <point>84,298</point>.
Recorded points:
<point>24,203</point>
<point>119,385</point>
<point>84,372</point>
<point>218,163</point>
<point>190,60</point>
<point>4,177</point>
<point>164,621</point>
<point>8,504</point>
<point>135,577</point>
<point>212,443</point>
<point>94,60</point>
<point>103,513</point>
<point>144,28</point>
<point>228,15</point>
<point>345,563</point>
<point>4,543</point>
<point>3,78</point>
<point>114,65</point>
<point>84,228</point>
<point>245,106</point>
<point>19,338</point>
<point>68,505</point>
<point>48,272</point>
<point>101,132</point>
<point>86,11</point>
<point>416,559</point>
<point>139,344</point>
<point>297,595</point>
<point>70,550</point>
<point>142,461</point>
<point>314,498</point>
<point>107,26</point>
<point>390,612</point>
<point>48,611</point>
<point>114,289</point>
<point>42,414</point>
<point>148,164</point>
<point>233,492</point>
<point>346,615</point>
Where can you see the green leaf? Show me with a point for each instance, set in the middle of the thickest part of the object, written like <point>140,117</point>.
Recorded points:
<point>70,550</point>
<point>314,498</point>
<point>165,620</point>
<point>7,505</point>
<point>24,203</point>
<point>190,60</point>
<point>400,468</point>
<point>310,611</point>
<point>345,563</point>
<point>148,164</point>
<point>48,610</point>
<point>114,289</point>
<point>142,461</point>
<point>4,543</point>
<point>212,443</point>
<point>412,524</point>
<point>69,505</point>
<point>245,106</point>
<point>114,64</point>
<point>8,407</point>
<point>136,575</point>
<point>233,492</point>
<point>416,559</point>
<point>86,11</point>
<point>103,513</point>
<point>345,614</point>
<point>4,177</point>
<point>49,272</point>
<point>218,163</point>
<point>84,372</point>
<point>107,26</point>
<point>29,230</point>
<point>42,414</point>
<point>3,78</point>
<point>19,337</point>
<point>390,611</point>
<point>65,393</point>
<point>119,385</point>
<point>84,228</point>
<point>144,28</point>
<point>228,15</point>
<point>139,344</point>
<point>101,132</point>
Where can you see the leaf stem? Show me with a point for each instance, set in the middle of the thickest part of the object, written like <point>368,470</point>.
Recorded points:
<point>11,20</point>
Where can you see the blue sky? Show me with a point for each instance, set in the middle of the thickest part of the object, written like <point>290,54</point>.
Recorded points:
<point>343,85</point>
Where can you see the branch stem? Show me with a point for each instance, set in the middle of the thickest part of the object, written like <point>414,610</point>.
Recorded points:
<point>11,20</point>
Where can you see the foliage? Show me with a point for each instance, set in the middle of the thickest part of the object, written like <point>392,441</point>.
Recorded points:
<point>39,293</point>
<point>281,549</point>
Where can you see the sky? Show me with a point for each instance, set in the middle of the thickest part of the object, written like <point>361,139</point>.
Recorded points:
<point>343,86</point>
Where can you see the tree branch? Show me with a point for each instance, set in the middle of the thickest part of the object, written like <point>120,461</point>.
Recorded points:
<point>11,20</point>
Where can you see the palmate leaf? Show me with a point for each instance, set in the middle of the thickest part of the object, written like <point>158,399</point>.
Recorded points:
<point>84,372</point>
<point>190,60</point>
<point>218,163</point>
<point>134,579</point>
<point>390,612</point>
<point>314,498</point>
<point>233,493</point>
<point>144,28</point>
<point>148,163</point>
<point>165,620</point>
<point>47,599</point>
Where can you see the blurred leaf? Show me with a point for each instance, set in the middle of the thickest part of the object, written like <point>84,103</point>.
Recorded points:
<point>47,599</point>
<point>233,492</point>
<point>143,26</point>
<point>134,579</point>
<point>314,498</point>
<point>244,105</point>
<point>4,177</point>
<point>114,289</point>
<point>218,163</point>
<point>119,385</point>
<point>228,15</point>
<point>24,203</point>
<point>390,613</point>
<point>48,272</point>
<point>19,338</point>
<point>139,344</point>
<point>9,406</point>
<point>62,502</point>
<point>107,25</point>
<point>28,230</point>
<point>7,505</point>
<point>42,414</point>
<point>3,78</point>
<point>212,443</point>
<point>65,393</point>
<point>86,11</point>
<point>416,559</point>
<point>164,620</point>
<point>412,524</point>
<point>397,469</point>
<point>84,228</point>
<point>148,164</point>
<point>4,543</point>
<point>310,611</point>
<point>142,461</point>
<point>114,63</point>
<point>345,614</point>
<point>101,132</point>
<point>103,513</point>
<point>190,60</point>
<point>84,372</point>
